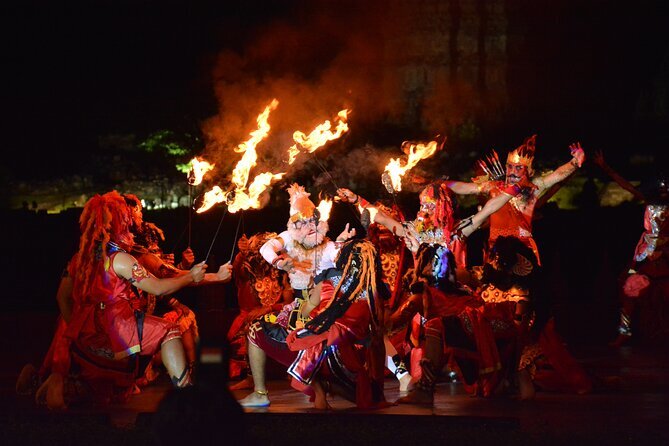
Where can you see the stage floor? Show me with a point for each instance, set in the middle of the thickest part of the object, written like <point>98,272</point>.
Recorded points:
<point>629,405</point>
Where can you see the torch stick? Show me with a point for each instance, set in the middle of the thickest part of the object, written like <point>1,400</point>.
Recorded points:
<point>234,240</point>
<point>216,234</point>
<point>190,213</point>
<point>324,170</point>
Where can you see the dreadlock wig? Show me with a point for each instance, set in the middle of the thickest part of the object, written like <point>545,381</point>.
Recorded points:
<point>361,279</point>
<point>105,218</point>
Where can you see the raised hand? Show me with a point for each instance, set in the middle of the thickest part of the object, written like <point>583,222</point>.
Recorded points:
<point>577,153</point>
<point>598,158</point>
<point>347,195</point>
<point>346,234</point>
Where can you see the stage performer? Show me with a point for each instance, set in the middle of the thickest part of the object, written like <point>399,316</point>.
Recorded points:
<point>647,274</point>
<point>395,262</point>
<point>107,330</point>
<point>261,289</point>
<point>303,251</point>
<point>330,352</point>
<point>515,217</point>
<point>434,227</point>
<point>486,341</point>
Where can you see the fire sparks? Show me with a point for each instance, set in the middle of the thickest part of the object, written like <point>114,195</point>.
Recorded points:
<point>318,136</point>
<point>198,168</point>
<point>396,168</point>
<point>324,208</point>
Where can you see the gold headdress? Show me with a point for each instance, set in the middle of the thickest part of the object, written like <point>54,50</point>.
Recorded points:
<point>524,154</point>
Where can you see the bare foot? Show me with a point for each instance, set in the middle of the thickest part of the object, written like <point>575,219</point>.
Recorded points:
<point>28,381</point>
<point>246,383</point>
<point>417,396</point>
<point>320,398</point>
<point>405,383</point>
<point>258,398</point>
<point>51,392</point>
<point>525,385</point>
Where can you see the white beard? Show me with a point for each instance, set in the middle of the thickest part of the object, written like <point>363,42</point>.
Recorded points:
<point>303,248</point>
<point>307,240</point>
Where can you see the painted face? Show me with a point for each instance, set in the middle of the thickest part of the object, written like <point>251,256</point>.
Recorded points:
<point>308,232</point>
<point>515,173</point>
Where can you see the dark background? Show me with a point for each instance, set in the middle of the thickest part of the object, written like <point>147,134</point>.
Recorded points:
<point>593,71</point>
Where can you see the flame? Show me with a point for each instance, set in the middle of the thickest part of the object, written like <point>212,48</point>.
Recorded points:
<point>318,136</point>
<point>240,175</point>
<point>198,168</point>
<point>241,198</point>
<point>324,208</point>
<point>396,169</point>
<point>214,196</point>
<point>250,200</point>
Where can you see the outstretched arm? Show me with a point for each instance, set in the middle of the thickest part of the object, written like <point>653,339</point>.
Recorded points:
<point>472,223</point>
<point>598,159</point>
<point>564,171</point>
<point>462,188</point>
<point>129,268</point>
<point>379,217</point>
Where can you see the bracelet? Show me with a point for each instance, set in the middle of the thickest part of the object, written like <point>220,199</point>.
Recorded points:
<point>357,198</point>
<point>276,260</point>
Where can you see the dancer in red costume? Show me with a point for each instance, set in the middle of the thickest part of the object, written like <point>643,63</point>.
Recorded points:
<point>107,330</point>
<point>515,217</point>
<point>647,274</point>
<point>330,355</point>
<point>487,340</point>
<point>261,289</point>
<point>431,236</point>
<point>303,251</point>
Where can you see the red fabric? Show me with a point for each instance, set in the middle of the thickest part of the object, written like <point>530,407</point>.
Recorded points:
<point>440,304</point>
<point>565,374</point>
<point>57,359</point>
<point>104,321</point>
<point>351,327</point>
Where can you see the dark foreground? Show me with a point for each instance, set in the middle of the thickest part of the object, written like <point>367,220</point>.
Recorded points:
<point>630,405</point>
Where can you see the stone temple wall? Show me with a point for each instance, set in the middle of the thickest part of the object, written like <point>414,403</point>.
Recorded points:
<point>451,56</point>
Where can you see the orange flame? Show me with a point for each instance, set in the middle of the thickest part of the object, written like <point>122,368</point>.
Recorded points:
<point>240,175</point>
<point>198,168</point>
<point>396,169</point>
<point>318,136</point>
<point>243,200</point>
<point>214,196</point>
<point>324,208</point>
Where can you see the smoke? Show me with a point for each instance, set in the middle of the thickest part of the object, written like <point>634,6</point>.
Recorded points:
<point>325,59</point>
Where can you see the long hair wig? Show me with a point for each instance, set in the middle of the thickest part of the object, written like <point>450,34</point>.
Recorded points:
<point>361,273</point>
<point>104,218</point>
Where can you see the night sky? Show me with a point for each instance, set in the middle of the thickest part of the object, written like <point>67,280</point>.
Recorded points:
<point>73,71</point>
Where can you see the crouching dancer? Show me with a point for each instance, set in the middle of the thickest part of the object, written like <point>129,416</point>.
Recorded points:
<point>108,331</point>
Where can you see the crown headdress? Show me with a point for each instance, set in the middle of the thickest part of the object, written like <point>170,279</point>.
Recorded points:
<point>524,154</point>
